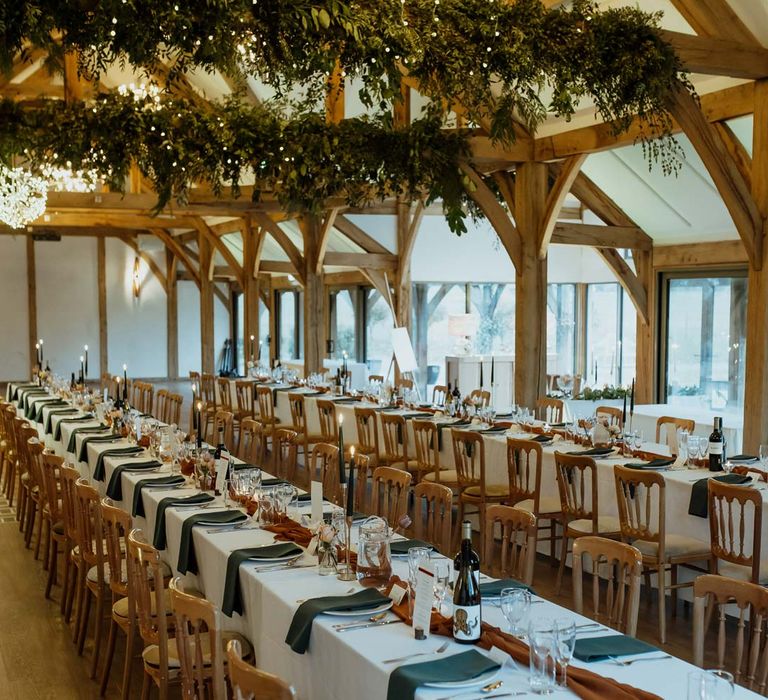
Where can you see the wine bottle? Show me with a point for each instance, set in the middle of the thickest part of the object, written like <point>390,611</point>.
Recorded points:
<point>456,393</point>
<point>220,447</point>
<point>473,558</point>
<point>717,447</point>
<point>466,593</point>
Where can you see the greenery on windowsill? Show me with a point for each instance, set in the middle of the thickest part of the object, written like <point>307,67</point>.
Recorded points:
<point>603,393</point>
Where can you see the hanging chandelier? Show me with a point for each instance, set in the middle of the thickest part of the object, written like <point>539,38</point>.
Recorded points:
<point>67,180</point>
<point>23,196</point>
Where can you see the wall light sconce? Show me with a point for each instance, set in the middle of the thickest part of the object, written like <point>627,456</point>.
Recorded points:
<point>136,277</point>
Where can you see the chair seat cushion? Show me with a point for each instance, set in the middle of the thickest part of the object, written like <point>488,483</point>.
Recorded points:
<point>491,491</point>
<point>547,504</point>
<point>151,654</point>
<point>606,524</point>
<point>93,576</point>
<point>58,527</point>
<point>674,546</point>
<point>743,573</point>
<point>411,466</point>
<point>447,476</point>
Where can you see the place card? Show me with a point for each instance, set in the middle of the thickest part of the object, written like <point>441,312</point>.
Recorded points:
<point>222,471</point>
<point>425,594</point>
<point>316,496</point>
<point>397,593</point>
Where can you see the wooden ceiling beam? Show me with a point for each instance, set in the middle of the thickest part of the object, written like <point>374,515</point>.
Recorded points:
<point>559,190</point>
<point>715,18</point>
<point>282,239</point>
<point>222,249</point>
<point>54,218</point>
<point>373,261</point>
<point>598,236</point>
<point>281,266</point>
<point>711,56</point>
<point>628,280</point>
<point>324,236</point>
<point>179,251</point>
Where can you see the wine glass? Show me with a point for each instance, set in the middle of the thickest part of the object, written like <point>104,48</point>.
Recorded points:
<point>763,456</point>
<point>442,572</point>
<point>710,685</point>
<point>516,607</point>
<point>416,557</point>
<point>565,637</point>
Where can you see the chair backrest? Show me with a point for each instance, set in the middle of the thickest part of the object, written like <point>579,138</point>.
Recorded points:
<point>469,458</point>
<point>611,413</point>
<point>252,448</point>
<point>550,410</point>
<point>135,393</point>
<point>439,392</point>
<point>394,430</point>
<point>432,514</point>
<point>160,410</point>
<point>198,630</point>
<point>325,469</point>
<point>732,509</point>
<point>620,581</point>
<point>208,389</point>
<point>52,482</point>
<point>405,383</point>
<point>672,425</point>
<point>298,408</point>
<point>518,542</point>
<point>117,524</point>
<point>225,393</point>
<point>147,397</point>
<point>376,378</point>
<point>367,430</point>
<point>249,683</point>
<point>524,464</point>
<point>746,470</point>
<point>89,527</point>
<point>35,462</point>
<point>389,499</point>
<point>577,484</point>
<point>24,432</point>
<point>363,470</point>
<point>745,655</point>
<point>173,409</point>
<point>266,404</point>
<point>286,447</point>
<point>225,420</point>
<point>480,397</point>
<point>326,414</point>
<point>69,507</point>
<point>244,395</point>
<point>427,446</point>
<point>641,496</point>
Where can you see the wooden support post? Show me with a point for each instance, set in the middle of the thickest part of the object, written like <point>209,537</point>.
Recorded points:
<point>756,370</point>
<point>315,298</point>
<point>253,241</point>
<point>531,285</point>
<point>207,350</point>
<point>274,330</point>
<point>32,302</point>
<point>101,257</point>
<point>172,307</point>
<point>646,335</point>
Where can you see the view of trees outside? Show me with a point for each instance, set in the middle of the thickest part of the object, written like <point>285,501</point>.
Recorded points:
<point>611,319</point>
<point>561,329</point>
<point>494,305</point>
<point>345,324</point>
<point>288,321</point>
<point>378,332</point>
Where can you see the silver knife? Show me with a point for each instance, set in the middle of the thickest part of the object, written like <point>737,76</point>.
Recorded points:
<point>469,696</point>
<point>365,625</point>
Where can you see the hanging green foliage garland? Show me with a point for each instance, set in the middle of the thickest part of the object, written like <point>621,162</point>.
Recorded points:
<point>501,61</point>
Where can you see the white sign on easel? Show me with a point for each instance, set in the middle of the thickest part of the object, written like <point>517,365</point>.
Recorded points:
<point>401,344</point>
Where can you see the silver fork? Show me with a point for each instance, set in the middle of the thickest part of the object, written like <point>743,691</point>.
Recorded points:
<point>620,662</point>
<point>439,650</point>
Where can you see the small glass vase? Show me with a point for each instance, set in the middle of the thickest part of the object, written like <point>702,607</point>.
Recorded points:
<point>326,558</point>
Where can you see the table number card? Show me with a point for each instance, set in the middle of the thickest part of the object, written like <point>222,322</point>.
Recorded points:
<point>316,496</point>
<point>222,470</point>
<point>425,593</point>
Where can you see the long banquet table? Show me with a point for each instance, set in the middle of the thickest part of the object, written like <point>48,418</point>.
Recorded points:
<point>337,666</point>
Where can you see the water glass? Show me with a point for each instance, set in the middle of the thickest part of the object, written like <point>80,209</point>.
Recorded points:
<point>763,456</point>
<point>542,643</point>
<point>516,607</point>
<point>638,437</point>
<point>565,632</point>
<point>710,685</point>
<point>441,568</point>
<point>417,556</point>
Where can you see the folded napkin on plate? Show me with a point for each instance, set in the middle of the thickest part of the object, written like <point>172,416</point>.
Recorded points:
<point>417,414</point>
<point>301,625</point>
<point>402,546</point>
<point>81,419</point>
<point>187,557</point>
<point>495,429</point>
<point>273,482</point>
<point>90,430</point>
<point>244,465</point>
<point>405,680</point>
<point>544,439</point>
<point>115,486</point>
<point>33,408</point>
<point>58,412</point>
<point>233,595</point>
<point>493,589</point>
<point>98,471</point>
<point>593,452</point>
<point>83,454</point>
<point>158,539</point>
<point>601,648</point>
<point>699,503</point>
<point>42,404</point>
<point>743,458</point>
<point>314,393</point>
<point>137,507</point>
<point>21,387</point>
<point>658,463</point>
<point>307,498</point>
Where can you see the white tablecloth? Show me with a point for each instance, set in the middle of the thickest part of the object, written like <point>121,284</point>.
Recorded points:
<point>337,666</point>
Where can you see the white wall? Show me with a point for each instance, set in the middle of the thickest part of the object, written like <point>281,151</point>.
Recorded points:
<point>189,327</point>
<point>14,347</point>
<point>68,302</point>
<point>221,325</point>
<point>136,328</point>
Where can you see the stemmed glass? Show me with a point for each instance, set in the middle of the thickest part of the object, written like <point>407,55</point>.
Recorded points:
<point>516,607</point>
<point>565,640</point>
<point>442,571</point>
<point>710,685</point>
<point>416,557</point>
<point>763,456</point>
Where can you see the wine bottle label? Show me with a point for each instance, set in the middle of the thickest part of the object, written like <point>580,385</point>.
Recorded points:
<point>466,622</point>
<point>715,448</point>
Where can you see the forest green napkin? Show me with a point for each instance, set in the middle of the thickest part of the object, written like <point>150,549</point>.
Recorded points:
<point>98,471</point>
<point>137,507</point>
<point>493,589</point>
<point>600,648</point>
<point>699,503</point>
<point>158,539</point>
<point>115,486</point>
<point>58,412</point>
<point>187,557</point>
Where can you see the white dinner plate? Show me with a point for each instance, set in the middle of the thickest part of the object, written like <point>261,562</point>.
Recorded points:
<point>275,560</point>
<point>218,523</point>
<point>367,611</point>
<point>480,680</point>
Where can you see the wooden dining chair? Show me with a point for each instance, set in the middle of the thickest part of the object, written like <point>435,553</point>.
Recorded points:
<point>641,496</point>
<point>621,585</point>
<point>394,430</point>
<point>286,446</point>
<point>480,397</point>
<point>56,536</point>
<point>325,469</point>
<point>39,511</point>
<point>299,423</point>
<point>426,442</point>
<point>160,410</point>
<point>550,410</point>
<point>363,474</point>
<point>611,413</point>
<point>744,652</point>
<point>518,542</point>
<point>250,683</point>
<point>406,383</point>
<point>173,409</point>
<point>433,514</point>
<point>245,398</point>
<point>746,470</point>
<point>28,493</point>
<point>147,397</point>
<point>200,644</point>
<point>367,425</point>
<point>207,388</point>
<point>376,378</point>
<point>577,485</point>
<point>252,448</point>
<point>326,414</point>
<point>439,393</point>
<point>735,532</point>
<point>225,421</point>
<point>269,422</point>
<point>72,556</point>
<point>671,425</point>
<point>7,414</point>
<point>525,461</point>
<point>474,490</point>
<point>389,499</point>
<point>225,394</point>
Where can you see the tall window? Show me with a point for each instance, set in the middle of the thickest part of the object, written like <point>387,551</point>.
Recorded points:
<point>704,333</point>
<point>378,332</point>
<point>561,329</point>
<point>289,308</point>
<point>494,305</point>
<point>441,301</point>
<point>344,321</point>
<point>610,336</point>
